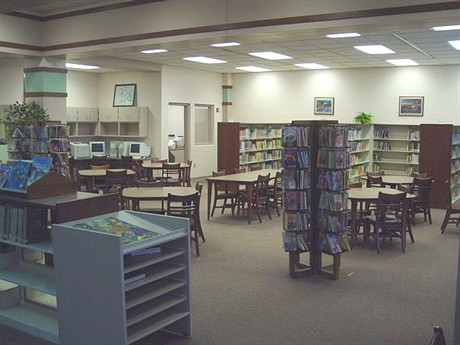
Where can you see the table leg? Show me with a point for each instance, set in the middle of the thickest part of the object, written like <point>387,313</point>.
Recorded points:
<point>209,197</point>
<point>354,207</point>
<point>249,189</point>
<point>90,184</point>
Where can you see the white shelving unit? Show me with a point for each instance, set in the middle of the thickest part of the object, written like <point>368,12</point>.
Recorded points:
<point>82,121</point>
<point>396,149</point>
<point>455,166</point>
<point>360,151</point>
<point>103,309</point>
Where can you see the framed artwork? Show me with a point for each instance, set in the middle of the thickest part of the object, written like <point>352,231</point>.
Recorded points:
<point>411,105</point>
<point>125,95</point>
<point>324,105</point>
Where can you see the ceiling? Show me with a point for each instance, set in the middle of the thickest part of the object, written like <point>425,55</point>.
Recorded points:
<point>417,42</point>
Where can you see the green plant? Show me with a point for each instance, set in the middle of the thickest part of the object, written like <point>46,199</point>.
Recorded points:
<point>26,111</point>
<point>363,118</point>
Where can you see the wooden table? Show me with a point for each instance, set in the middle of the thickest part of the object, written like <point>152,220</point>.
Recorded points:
<point>248,179</point>
<point>137,194</point>
<point>151,166</point>
<point>92,174</point>
<point>356,195</point>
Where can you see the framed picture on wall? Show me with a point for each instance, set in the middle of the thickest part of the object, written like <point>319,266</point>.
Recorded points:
<point>125,95</point>
<point>411,105</point>
<point>324,105</point>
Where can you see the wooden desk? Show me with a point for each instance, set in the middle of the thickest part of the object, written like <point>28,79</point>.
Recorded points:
<point>248,179</point>
<point>91,175</point>
<point>137,194</point>
<point>356,195</point>
<point>151,166</point>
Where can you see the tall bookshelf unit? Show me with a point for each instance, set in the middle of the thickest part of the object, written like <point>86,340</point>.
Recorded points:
<point>360,142</point>
<point>248,144</point>
<point>396,149</point>
<point>315,181</point>
<point>440,159</point>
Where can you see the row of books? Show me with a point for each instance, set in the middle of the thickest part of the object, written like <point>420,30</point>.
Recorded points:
<point>332,221</point>
<point>39,131</point>
<point>333,201</point>
<point>296,157</point>
<point>58,145</point>
<point>295,200</point>
<point>259,133</point>
<point>356,133</point>
<point>294,136</point>
<point>333,243</point>
<point>455,151</point>
<point>333,136</point>
<point>333,180</point>
<point>23,173</point>
<point>259,156</point>
<point>412,158</point>
<point>23,224</point>
<point>357,158</point>
<point>382,145</point>
<point>333,158</point>
<point>30,145</point>
<point>296,179</point>
<point>413,146</point>
<point>357,170</point>
<point>413,134</point>
<point>358,146</point>
<point>295,221</point>
<point>251,145</point>
<point>295,242</point>
<point>455,138</point>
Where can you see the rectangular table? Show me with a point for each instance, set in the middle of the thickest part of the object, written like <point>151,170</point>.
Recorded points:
<point>247,179</point>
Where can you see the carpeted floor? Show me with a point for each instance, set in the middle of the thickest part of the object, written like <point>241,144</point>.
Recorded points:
<point>241,293</point>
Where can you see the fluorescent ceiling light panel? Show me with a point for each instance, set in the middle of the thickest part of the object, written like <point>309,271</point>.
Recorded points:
<point>154,51</point>
<point>252,69</point>
<point>225,44</point>
<point>455,44</point>
<point>271,55</point>
<point>403,62</point>
<point>311,66</point>
<point>446,28</point>
<point>344,35</point>
<point>375,49</point>
<point>204,59</point>
<point>80,66</point>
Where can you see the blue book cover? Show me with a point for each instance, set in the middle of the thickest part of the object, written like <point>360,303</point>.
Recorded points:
<point>18,176</point>
<point>4,173</point>
<point>40,167</point>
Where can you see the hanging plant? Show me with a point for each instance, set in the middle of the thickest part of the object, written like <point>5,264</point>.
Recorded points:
<point>363,118</point>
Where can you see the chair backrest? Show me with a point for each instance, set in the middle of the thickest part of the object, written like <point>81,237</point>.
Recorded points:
<point>422,188</point>
<point>144,183</point>
<point>262,186</point>
<point>171,170</point>
<point>220,187</point>
<point>186,174</point>
<point>199,187</point>
<point>127,162</point>
<point>255,167</point>
<point>355,185</point>
<point>159,161</point>
<point>99,167</point>
<point>391,208</point>
<point>183,206</point>
<point>374,180</point>
<point>116,178</point>
<point>418,174</point>
<point>239,170</point>
<point>99,160</point>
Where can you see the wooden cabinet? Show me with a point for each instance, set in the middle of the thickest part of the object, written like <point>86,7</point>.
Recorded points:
<point>145,284</point>
<point>360,143</point>
<point>396,149</point>
<point>440,158</point>
<point>248,144</point>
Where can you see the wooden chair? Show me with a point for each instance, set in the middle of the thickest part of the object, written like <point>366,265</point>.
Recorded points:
<point>199,189</point>
<point>255,167</point>
<point>185,176</point>
<point>224,194</point>
<point>418,174</point>
<point>99,160</point>
<point>452,215</point>
<point>374,179</point>
<point>438,336</point>
<point>362,211</point>
<point>171,174</point>
<point>260,198</point>
<point>421,204</point>
<point>390,219</point>
<point>128,162</point>
<point>275,191</point>
<point>99,182</point>
<point>157,207</point>
<point>239,170</point>
<point>187,206</point>
<point>115,181</point>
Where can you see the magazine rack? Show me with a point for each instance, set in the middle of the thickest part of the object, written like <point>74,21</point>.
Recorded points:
<point>52,184</point>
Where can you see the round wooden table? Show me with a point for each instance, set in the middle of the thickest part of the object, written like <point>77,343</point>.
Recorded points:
<point>137,194</point>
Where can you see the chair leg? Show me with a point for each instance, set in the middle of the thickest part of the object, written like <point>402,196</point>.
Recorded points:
<point>409,230</point>
<point>444,222</point>
<point>428,210</point>
<point>214,206</point>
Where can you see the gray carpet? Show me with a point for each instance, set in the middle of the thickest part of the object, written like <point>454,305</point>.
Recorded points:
<point>242,293</point>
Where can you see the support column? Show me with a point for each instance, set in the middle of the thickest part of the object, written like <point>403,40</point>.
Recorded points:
<point>227,100</point>
<point>45,84</point>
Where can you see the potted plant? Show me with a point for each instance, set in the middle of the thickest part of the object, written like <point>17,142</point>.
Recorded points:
<point>363,118</point>
<point>17,113</point>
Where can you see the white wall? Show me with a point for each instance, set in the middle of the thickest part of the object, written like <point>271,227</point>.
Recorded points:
<point>11,84</point>
<point>188,86</point>
<point>287,96</point>
<point>82,89</point>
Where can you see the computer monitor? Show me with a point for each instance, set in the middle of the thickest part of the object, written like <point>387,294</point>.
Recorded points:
<point>79,150</point>
<point>97,148</point>
<point>138,149</point>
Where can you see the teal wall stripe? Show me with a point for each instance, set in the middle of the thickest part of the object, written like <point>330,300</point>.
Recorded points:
<point>45,81</point>
<point>227,95</point>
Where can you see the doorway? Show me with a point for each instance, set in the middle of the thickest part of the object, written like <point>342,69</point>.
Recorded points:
<point>178,132</point>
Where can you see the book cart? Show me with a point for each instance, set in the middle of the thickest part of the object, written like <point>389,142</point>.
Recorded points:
<point>315,179</point>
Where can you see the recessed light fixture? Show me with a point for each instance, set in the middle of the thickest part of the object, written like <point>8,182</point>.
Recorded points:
<point>252,69</point>
<point>225,44</point>
<point>344,35</point>
<point>154,51</point>
<point>80,66</point>
<point>271,55</point>
<point>204,59</point>
<point>375,49</point>
<point>311,66</point>
<point>446,28</point>
<point>455,44</point>
<point>403,62</point>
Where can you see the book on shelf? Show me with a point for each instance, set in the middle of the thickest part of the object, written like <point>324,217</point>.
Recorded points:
<point>337,179</point>
<point>303,160</point>
<point>289,136</point>
<point>295,200</point>
<point>129,232</point>
<point>302,242</point>
<point>134,277</point>
<point>295,221</point>
<point>18,176</point>
<point>342,239</point>
<point>337,159</point>
<point>289,241</point>
<point>337,222</point>
<point>39,168</point>
<point>322,159</point>
<point>289,157</point>
<point>328,243</point>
